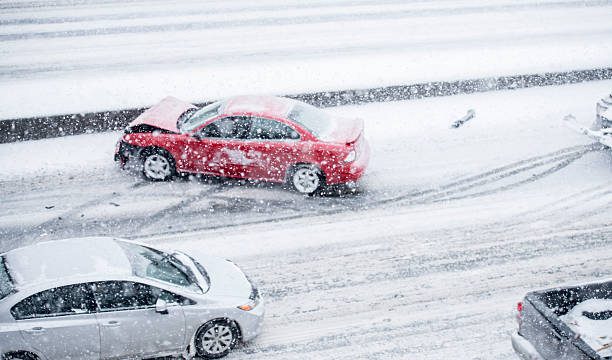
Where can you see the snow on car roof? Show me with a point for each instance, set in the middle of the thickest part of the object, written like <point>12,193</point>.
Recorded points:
<point>259,104</point>
<point>63,259</point>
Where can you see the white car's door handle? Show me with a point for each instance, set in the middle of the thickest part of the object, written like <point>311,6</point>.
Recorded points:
<point>112,323</point>
<point>35,330</point>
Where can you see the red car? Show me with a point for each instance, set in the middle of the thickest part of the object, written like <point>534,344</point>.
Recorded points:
<point>252,137</point>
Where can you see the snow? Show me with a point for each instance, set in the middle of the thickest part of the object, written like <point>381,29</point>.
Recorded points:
<point>68,156</point>
<point>46,261</point>
<point>452,227</point>
<point>89,57</point>
<point>596,333</point>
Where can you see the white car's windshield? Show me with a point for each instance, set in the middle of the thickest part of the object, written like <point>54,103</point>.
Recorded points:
<point>6,285</point>
<point>200,116</point>
<point>315,120</point>
<point>154,264</point>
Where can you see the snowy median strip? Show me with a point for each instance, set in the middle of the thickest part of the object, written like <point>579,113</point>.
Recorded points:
<point>73,124</point>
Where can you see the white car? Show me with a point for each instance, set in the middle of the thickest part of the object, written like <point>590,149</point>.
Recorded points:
<point>103,298</point>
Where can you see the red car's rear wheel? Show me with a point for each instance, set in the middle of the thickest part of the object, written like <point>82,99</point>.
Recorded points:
<point>307,179</point>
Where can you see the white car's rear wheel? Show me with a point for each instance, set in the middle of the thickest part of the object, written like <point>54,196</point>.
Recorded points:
<point>216,339</point>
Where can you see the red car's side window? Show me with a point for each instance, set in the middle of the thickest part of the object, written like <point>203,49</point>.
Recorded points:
<point>232,127</point>
<point>267,129</point>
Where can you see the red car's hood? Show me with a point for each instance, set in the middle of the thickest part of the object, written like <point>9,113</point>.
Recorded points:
<point>344,130</point>
<point>164,115</point>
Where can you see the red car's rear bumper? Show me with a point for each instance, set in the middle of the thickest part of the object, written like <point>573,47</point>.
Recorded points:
<point>349,172</point>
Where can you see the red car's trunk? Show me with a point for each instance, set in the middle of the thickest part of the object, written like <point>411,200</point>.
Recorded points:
<point>345,131</point>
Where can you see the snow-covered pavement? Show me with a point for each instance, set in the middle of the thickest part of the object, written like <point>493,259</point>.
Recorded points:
<point>59,57</point>
<point>451,228</point>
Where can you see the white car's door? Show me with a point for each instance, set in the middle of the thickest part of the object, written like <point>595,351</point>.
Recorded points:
<point>129,324</point>
<point>60,322</point>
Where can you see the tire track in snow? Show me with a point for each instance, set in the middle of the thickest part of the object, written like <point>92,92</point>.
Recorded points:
<point>552,162</point>
<point>558,159</point>
<point>394,261</point>
<point>431,294</point>
<point>296,20</point>
<point>597,199</point>
<point>57,224</point>
<point>209,216</point>
<point>157,216</point>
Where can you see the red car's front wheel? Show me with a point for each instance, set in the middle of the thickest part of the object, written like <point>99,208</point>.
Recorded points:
<point>157,165</point>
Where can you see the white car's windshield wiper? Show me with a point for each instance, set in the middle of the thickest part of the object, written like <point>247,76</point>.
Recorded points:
<point>189,262</point>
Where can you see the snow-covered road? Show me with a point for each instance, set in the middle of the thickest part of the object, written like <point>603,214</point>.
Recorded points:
<point>59,57</point>
<point>451,228</point>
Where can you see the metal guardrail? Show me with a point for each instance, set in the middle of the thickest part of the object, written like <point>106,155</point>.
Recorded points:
<point>71,124</point>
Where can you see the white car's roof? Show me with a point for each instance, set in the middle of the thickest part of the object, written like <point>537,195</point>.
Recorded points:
<point>61,260</point>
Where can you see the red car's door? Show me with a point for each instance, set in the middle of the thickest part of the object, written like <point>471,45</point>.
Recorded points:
<point>219,148</point>
<point>274,146</point>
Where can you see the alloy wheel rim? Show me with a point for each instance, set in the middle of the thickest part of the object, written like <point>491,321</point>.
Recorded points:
<point>157,167</point>
<point>217,339</point>
<point>306,180</point>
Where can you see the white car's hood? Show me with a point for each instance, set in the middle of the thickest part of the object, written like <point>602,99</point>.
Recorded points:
<point>226,279</point>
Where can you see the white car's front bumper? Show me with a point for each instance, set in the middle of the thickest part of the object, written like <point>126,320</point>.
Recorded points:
<point>251,322</point>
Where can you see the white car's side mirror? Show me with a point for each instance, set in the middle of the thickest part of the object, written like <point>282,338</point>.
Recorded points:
<point>161,306</point>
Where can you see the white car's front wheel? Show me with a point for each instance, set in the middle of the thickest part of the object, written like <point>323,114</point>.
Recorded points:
<point>216,339</point>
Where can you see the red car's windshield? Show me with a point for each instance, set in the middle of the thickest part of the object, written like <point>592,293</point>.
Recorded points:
<point>200,116</point>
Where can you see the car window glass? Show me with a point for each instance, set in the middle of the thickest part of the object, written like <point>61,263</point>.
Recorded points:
<point>65,300</point>
<point>232,127</point>
<point>154,264</point>
<point>6,283</point>
<point>200,116</point>
<point>126,295</point>
<point>315,120</point>
<point>267,129</point>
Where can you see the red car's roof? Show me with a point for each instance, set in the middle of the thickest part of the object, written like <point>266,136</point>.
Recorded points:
<point>258,105</point>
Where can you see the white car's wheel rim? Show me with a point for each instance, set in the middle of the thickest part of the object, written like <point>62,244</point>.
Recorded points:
<point>217,339</point>
<point>157,167</point>
<point>306,180</point>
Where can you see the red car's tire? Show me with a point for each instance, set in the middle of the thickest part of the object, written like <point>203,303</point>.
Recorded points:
<point>157,164</point>
<point>306,179</point>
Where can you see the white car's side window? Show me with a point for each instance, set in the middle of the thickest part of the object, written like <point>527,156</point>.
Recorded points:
<point>61,301</point>
<point>128,295</point>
